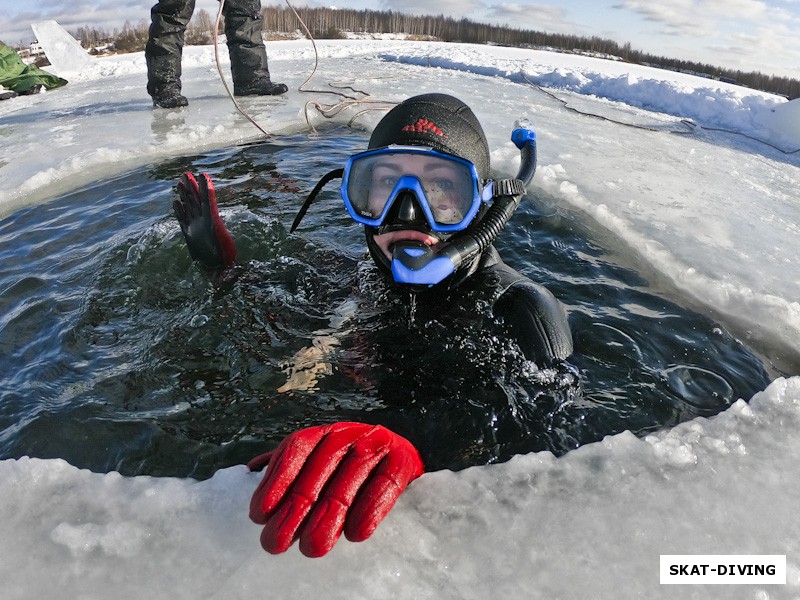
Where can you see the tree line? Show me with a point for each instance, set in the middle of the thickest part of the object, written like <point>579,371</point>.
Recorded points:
<point>133,38</point>
<point>334,23</point>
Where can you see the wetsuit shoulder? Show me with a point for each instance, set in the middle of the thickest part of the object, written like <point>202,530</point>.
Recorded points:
<point>533,315</point>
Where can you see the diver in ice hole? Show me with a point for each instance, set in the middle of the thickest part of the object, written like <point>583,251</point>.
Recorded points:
<point>430,213</point>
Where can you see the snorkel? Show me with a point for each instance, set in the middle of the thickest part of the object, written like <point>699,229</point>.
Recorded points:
<point>418,264</point>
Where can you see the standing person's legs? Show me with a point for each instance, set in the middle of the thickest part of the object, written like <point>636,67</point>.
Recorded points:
<point>243,25</point>
<point>169,19</point>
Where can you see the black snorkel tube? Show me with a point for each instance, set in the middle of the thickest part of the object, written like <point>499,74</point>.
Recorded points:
<point>417,264</point>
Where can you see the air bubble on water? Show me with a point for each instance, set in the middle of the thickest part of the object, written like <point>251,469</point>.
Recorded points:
<point>135,253</point>
<point>198,321</point>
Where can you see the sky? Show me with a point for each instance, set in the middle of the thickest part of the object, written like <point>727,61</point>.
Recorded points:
<point>751,35</point>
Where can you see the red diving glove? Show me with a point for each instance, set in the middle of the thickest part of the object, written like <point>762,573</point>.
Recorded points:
<point>209,241</point>
<point>325,479</point>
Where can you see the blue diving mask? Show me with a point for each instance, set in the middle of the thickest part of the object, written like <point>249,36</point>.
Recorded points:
<point>450,193</point>
<point>447,188</point>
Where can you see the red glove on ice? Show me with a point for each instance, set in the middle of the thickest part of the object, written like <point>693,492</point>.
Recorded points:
<point>325,479</point>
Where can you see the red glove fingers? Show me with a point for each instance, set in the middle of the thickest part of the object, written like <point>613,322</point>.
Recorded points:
<point>378,497</point>
<point>284,467</point>
<point>224,237</point>
<point>323,479</point>
<point>198,214</point>
<point>190,180</point>
<point>327,519</point>
<point>295,483</point>
<point>328,446</point>
<point>187,205</point>
<point>259,462</point>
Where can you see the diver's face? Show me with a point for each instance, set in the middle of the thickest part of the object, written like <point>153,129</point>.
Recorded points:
<point>444,190</point>
<point>442,180</point>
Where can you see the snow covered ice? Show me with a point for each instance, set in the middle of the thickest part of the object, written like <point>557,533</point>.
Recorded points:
<point>710,213</point>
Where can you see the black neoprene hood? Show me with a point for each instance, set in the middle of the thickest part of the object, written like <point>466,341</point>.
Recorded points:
<point>438,121</point>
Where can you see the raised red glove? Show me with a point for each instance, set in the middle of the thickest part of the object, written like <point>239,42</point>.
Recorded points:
<point>326,479</point>
<point>209,241</point>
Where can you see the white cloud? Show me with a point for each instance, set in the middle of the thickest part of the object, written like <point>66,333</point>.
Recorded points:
<point>773,47</point>
<point>678,17</point>
<point>15,23</point>
<point>737,34</point>
<point>105,14</point>
<point>450,8</point>
<point>742,9</point>
<point>540,17</point>
<point>702,17</point>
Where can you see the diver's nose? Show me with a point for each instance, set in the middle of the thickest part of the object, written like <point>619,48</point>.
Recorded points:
<point>409,212</point>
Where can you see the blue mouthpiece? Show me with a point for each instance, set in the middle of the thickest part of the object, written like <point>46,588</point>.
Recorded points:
<point>418,264</point>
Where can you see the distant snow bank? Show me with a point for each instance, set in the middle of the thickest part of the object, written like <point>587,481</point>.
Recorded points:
<point>710,103</point>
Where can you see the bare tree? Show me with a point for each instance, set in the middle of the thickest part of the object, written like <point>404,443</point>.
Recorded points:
<point>201,29</point>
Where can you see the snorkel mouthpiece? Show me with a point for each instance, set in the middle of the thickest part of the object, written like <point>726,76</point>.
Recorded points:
<point>416,263</point>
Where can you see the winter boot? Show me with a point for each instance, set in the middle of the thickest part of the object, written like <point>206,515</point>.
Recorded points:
<point>164,49</point>
<point>243,25</point>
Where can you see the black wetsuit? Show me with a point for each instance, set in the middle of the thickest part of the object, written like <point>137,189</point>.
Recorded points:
<point>535,318</point>
<point>528,312</point>
<point>457,379</point>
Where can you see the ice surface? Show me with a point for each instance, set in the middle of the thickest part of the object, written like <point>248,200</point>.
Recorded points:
<point>590,524</point>
<point>711,214</point>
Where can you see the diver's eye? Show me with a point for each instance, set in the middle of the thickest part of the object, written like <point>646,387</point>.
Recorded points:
<point>387,182</point>
<point>444,185</point>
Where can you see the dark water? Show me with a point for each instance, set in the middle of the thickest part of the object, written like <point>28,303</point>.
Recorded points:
<point>119,355</point>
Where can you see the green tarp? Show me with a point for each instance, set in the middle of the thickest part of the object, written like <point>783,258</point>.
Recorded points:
<point>17,76</point>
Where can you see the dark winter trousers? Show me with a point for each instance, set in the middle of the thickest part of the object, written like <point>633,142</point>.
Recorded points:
<point>243,24</point>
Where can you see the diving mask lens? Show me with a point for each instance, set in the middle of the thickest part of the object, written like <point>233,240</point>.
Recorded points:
<point>448,188</point>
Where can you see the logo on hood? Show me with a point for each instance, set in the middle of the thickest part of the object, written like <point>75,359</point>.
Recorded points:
<point>424,126</point>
